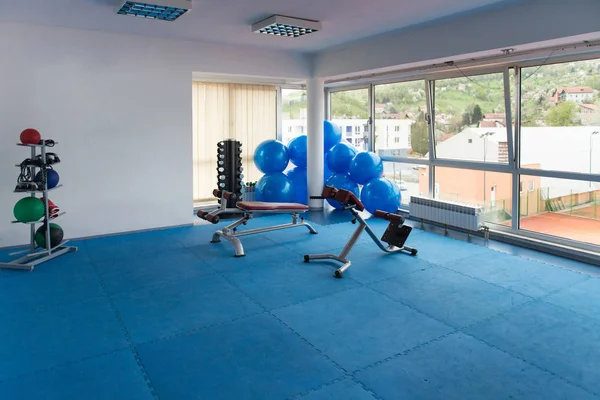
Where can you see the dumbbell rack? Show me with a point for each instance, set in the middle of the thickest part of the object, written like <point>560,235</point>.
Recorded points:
<point>34,255</point>
<point>229,170</point>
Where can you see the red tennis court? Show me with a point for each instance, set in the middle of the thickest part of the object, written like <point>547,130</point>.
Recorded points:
<point>564,226</point>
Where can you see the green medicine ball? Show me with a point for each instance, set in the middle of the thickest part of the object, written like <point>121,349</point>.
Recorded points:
<point>56,236</point>
<point>29,209</point>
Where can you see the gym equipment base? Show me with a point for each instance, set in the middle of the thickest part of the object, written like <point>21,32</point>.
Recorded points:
<point>230,231</point>
<point>395,234</point>
<point>248,209</point>
<point>30,261</point>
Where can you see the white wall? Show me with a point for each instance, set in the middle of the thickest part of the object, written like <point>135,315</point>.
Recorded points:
<point>518,23</point>
<point>120,106</point>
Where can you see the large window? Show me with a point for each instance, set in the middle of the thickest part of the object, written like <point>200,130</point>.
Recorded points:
<point>523,142</point>
<point>470,119</point>
<point>350,110</point>
<point>560,117</point>
<point>491,190</point>
<point>568,209</point>
<point>293,114</point>
<point>408,179</point>
<point>247,113</point>
<point>560,131</point>
<point>401,129</point>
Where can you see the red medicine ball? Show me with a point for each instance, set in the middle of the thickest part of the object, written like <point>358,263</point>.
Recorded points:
<point>30,136</point>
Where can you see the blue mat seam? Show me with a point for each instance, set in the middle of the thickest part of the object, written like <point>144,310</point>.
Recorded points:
<point>568,309</point>
<point>487,282</point>
<point>531,364</point>
<point>455,330</point>
<point>288,327</point>
<point>522,305</point>
<point>49,307</point>
<point>157,285</point>
<point>59,366</point>
<point>403,353</point>
<point>410,306</point>
<point>196,330</point>
<point>320,387</point>
<point>464,330</point>
<point>366,389</point>
<point>316,297</point>
<point>121,323</point>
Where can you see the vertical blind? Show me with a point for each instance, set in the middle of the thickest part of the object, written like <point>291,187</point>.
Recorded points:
<point>247,113</point>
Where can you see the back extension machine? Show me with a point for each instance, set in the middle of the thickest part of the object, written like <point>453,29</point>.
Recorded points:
<point>248,209</point>
<point>395,235</point>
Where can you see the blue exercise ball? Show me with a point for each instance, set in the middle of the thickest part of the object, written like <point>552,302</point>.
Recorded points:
<point>381,194</point>
<point>365,166</point>
<point>341,181</point>
<point>271,156</point>
<point>300,184</point>
<point>297,148</point>
<point>339,157</point>
<point>332,134</point>
<point>276,188</point>
<point>52,178</point>
<point>326,172</point>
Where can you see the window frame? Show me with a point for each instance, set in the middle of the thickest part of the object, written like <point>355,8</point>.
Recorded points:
<point>510,67</point>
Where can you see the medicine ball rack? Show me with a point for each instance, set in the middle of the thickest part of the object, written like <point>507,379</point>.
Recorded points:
<point>37,256</point>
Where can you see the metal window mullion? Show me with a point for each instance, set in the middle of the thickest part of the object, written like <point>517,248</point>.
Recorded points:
<point>348,88</point>
<point>371,119</point>
<point>279,113</point>
<point>405,160</point>
<point>509,129</point>
<point>327,104</point>
<point>475,165</point>
<point>575,176</point>
<point>430,98</point>
<point>516,192</point>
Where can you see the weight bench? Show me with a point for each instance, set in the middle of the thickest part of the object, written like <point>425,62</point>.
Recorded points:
<point>395,235</point>
<point>248,209</point>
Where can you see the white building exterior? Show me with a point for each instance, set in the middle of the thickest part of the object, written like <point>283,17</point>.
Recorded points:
<point>570,149</point>
<point>393,134</point>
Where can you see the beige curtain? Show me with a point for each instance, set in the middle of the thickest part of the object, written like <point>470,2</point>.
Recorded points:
<point>247,113</point>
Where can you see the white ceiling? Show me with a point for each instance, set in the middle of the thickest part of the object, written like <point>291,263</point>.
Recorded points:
<point>229,21</point>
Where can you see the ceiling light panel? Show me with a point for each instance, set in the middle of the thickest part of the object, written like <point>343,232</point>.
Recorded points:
<point>164,10</point>
<point>279,25</point>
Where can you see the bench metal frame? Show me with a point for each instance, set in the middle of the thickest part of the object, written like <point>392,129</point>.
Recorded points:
<point>343,256</point>
<point>231,233</point>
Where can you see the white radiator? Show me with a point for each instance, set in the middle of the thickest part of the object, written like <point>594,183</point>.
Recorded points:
<point>449,213</point>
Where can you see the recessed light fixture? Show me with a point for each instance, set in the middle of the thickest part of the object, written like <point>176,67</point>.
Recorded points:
<point>280,25</point>
<point>167,10</point>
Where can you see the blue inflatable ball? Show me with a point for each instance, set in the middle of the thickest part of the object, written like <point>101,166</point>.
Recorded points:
<point>327,172</point>
<point>271,156</point>
<point>51,177</point>
<point>275,188</point>
<point>300,184</point>
<point>381,194</point>
<point>297,149</point>
<point>365,166</point>
<point>332,134</point>
<point>340,156</point>
<point>341,181</point>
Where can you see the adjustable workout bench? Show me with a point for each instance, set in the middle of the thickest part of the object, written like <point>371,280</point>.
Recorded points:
<point>395,235</point>
<point>248,209</point>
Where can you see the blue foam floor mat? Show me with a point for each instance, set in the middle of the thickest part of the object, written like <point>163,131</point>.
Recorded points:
<point>461,367</point>
<point>252,358</point>
<point>168,315</point>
